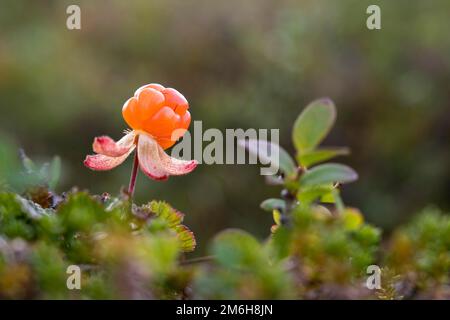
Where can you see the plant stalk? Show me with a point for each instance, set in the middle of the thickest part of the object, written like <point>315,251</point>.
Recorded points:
<point>134,173</point>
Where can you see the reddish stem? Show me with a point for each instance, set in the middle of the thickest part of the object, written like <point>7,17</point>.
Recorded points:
<point>133,175</point>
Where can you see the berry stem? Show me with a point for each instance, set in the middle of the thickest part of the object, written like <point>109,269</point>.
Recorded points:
<point>134,172</point>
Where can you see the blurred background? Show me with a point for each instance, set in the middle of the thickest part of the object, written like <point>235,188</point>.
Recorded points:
<point>241,64</point>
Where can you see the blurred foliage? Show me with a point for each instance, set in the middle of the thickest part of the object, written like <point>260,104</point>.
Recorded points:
<point>125,251</point>
<point>240,64</point>
<point>243,270</point>
<point>420,252</point>
<point>251,67</point>
<point>318,248</point>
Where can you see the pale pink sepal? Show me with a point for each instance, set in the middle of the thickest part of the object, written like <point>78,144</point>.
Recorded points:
<point>106,146</point>
<point>100,162</point>
<point>174,166</point>
<point>110,153</point>
<point>149,159</point>
<point>158,165</point>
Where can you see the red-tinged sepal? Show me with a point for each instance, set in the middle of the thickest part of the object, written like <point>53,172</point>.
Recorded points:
<point>106,146</point>
<point>100,162</point>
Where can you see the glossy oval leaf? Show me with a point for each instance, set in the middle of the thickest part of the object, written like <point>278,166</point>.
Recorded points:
<point>276,214</point>
<point>268,152</point>
<point>308,194</point>
<point>320,155</point>
<point>313,124</point>
<point>275,180</point>
<point>328,173</point>
<point>272,204</point>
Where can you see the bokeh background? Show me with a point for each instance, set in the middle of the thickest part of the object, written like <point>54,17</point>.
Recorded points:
<point>241,64</point>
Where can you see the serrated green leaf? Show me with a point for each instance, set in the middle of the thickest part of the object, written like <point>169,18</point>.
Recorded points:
<point>174,218</point>
<point>266,151</point>
<point>313,124</point>
<point>328,173</point>
<point>320,155</point>
<point>186,238</point>
<point>272,203</point>
<point>164,210</point>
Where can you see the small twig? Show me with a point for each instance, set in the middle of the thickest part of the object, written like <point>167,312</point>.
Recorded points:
<point>197,260</point>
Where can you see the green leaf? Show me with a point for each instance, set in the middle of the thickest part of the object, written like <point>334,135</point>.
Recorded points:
<point>15,222</point>
<point>352,218</point>
<point>237,249</point>
<point>281,242</point>
<point>320,155</point>
<point>173,218</point>
<point>186,238</point>
<point>328,173</point>
<point>54,172</point>
<point>162,252</point>
<point>327,198</point>
<point>81,213</point>
<point>27,163</point>
<point>163,210</point>
<point>313,124</point>
<point>274,180</point>
<point>308,194</point>
<point>266,152</point>
<point>338,200</point>
<point>49,270</point>
<point>276,217</point>
<point>272,204</point>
